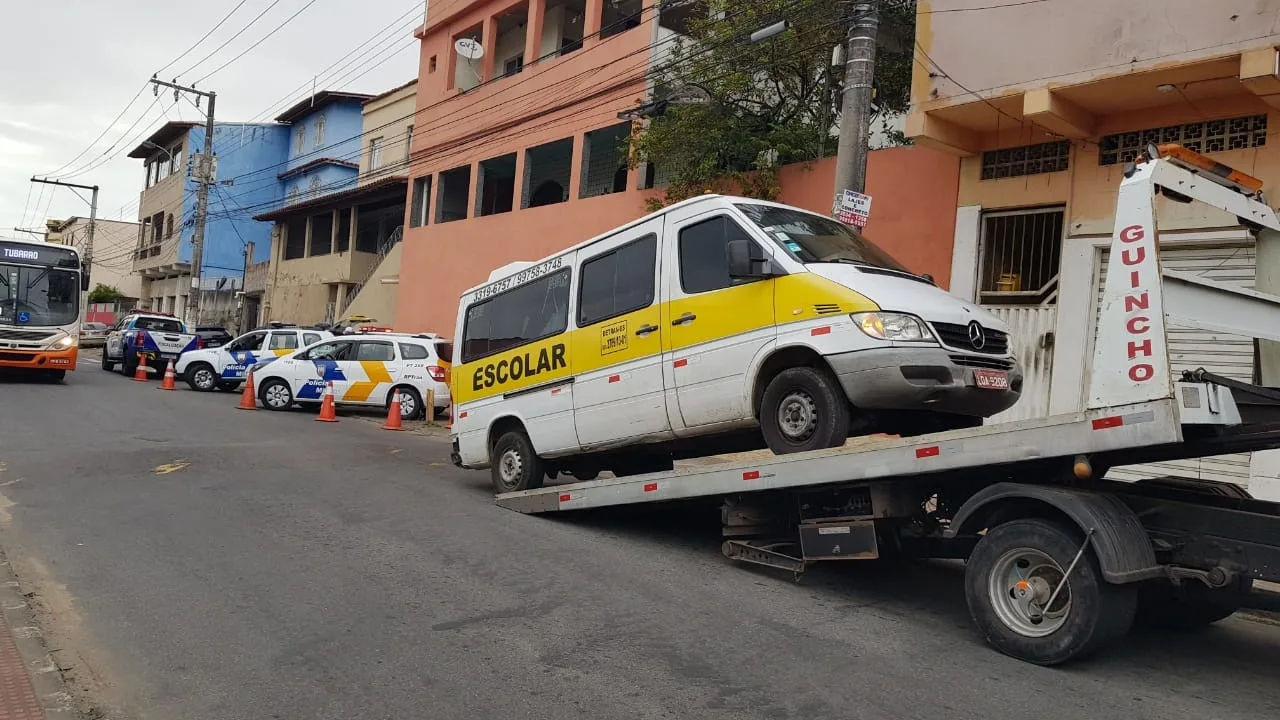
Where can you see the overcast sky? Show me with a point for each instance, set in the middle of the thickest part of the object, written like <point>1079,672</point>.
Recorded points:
<point>70,66</point>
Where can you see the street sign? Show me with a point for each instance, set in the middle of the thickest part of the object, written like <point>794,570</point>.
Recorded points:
<point>853,208</point>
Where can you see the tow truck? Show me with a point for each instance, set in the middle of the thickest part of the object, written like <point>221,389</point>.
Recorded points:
<point>1059,557</point>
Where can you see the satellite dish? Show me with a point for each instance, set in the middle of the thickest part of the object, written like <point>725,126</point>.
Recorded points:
<point>468,48</point>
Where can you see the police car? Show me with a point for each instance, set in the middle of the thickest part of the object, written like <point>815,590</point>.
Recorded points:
<point>365,369</point>
<point>154,338</point>
<point>224,368</point>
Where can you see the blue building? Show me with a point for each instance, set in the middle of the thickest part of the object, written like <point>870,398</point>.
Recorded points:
<point>324,145</point>
<point>249,156</point>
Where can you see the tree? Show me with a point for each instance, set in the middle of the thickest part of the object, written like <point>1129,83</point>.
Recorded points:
<point>770,103</point>
<point>105,294</point>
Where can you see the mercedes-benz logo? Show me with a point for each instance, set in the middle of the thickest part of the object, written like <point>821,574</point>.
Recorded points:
<point>977,338</point>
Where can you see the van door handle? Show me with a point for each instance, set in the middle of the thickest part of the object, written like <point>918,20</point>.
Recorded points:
<point>646,329</point>
<point>685,318</point>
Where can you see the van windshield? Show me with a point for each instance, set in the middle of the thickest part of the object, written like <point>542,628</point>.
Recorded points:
<point>812,238</point>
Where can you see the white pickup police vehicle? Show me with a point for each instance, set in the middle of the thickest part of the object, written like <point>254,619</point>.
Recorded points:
<point>224,368</point>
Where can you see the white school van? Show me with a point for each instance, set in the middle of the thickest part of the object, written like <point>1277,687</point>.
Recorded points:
<point>710,326</point>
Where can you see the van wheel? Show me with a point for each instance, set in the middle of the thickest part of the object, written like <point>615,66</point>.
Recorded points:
<point>803,409</point>
<point>514,465</point>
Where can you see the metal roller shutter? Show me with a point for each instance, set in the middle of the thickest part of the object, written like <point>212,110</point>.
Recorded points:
<point>1232,263</point>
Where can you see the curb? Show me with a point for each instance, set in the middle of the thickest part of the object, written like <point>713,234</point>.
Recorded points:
<point>46,676</point>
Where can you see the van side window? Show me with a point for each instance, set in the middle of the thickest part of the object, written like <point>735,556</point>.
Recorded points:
<point>530,312</point>
<point>704,254</point>
<point>618,282</point>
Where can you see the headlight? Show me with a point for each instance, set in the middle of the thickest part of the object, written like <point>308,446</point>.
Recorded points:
<point>893,326</point>
<point>65,342</point>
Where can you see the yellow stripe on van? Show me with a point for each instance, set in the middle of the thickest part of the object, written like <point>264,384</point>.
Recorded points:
<point>805,296</point>
<point>376,371</point>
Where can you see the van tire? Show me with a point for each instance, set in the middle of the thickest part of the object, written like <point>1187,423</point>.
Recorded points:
<point>513,464</point>
<point>803,409</point>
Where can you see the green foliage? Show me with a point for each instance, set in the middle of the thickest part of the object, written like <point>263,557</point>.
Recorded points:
<point>105,294</point>
<point>772,102</point>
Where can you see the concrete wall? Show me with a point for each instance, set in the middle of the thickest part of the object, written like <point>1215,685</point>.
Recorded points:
<point>331,178</point>
<point>1071,42</point>
<point>377,299</point>
<point>390,117</point>
<point>114,247</point>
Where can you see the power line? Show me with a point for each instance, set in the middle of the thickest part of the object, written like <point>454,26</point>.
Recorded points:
<point>204,37</point>
<point>261,40</point>
<point>231,39</point>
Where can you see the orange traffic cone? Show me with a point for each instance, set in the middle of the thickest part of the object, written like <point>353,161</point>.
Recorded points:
<point>327,411</point>
<point>247,401</point>
<point>140,373</point>
<point>393,414</point>
<point>168,382</point>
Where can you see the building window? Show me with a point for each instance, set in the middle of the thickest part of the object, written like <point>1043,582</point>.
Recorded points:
<point>546,173</point>
<point>562,27</point>
<point>175,159</point>
<point>375,153</point>
<point>168,226</point>
<point>431,64</point>
<point>1019,256</point>
<point>313,188</point>
<point>1212,136</point>
<point>295,238</point>
<point>408,142</point>
<point>619,16</point>
<point>321,234</point>
<point>1026,160</point>
<point>419,201</point>
<point>293,194</point>
<point>455,187</point>
<point>320,123</point>
<point>512,38</point>
<point>300,140</point>
<point>497,185</point>
<point>344,230</point>
<point>604,161</point>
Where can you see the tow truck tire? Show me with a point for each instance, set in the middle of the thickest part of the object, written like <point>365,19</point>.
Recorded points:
<point>1035,552</point>
<point>803,409</point>
<point>514,465</point>
<point>279,392</point>
<point>1191,607</point>
<point>410,402</point>
<point>200,376</point>
<point>107,364</point>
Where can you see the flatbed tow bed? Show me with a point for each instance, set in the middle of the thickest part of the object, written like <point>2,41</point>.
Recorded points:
<point>1059,559</point>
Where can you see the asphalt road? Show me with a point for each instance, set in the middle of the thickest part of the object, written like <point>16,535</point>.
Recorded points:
<point>193,561</point>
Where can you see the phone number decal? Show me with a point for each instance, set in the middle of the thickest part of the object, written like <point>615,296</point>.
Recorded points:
<point>520,278</point>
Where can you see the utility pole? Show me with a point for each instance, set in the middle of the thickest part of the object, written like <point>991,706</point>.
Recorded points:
<point>205,174</point>
<point>87,255</point>
<point>855,104</point>
<point>244,284</point>
<point>29,231</point>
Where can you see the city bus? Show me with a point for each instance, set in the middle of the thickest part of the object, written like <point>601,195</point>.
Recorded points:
<point>40,287</point>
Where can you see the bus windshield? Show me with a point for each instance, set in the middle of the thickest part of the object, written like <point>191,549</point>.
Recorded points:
<point>38,296</point>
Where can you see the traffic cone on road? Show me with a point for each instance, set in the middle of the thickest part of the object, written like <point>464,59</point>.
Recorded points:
<point>140,373</point>
<point>393,414</point>
<point>169,377</point>
<point>246,398</point>
<point>327,411</point>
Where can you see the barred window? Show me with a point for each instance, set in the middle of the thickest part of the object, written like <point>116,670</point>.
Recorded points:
<point>1026,160</point>
<point>1210,136</point>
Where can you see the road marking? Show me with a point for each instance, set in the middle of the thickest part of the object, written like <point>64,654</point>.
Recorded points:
<point>172,467</point>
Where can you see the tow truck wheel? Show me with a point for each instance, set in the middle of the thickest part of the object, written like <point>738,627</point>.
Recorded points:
<point>275,394</point>
<point>1010,584</point>
<point>200,376</point>
<point>514,465</point>
<point>803,409</point>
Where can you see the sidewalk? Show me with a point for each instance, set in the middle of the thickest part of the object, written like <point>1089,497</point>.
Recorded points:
<point>30,683</point>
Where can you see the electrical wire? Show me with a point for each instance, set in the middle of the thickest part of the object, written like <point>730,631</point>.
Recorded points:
<point>231,39</point>
<point>261,40</point>
<point>204,37</point>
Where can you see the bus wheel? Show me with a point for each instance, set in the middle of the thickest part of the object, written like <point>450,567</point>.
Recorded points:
<point>514,465</point>
<point>55,376</point>
<point>1022,599</point>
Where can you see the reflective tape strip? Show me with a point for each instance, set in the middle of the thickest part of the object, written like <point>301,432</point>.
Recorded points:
<point>651,487</point>
<point>928,452</point>
<point>824,330</point>
<point>751,475</point>
<point>680,363</point>
<point>615,378</point>
<point>565,497</point>
<point>1115,421</point>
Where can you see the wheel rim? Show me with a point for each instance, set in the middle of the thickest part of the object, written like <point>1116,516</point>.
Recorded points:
<point>1020,586</point>
<point>408,406</point>
<point>797,416</point>
<point>277,396</point>
<point>204,378</point>
<point>510,468</point>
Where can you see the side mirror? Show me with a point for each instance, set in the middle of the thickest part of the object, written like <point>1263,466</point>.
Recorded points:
<point>747,260</point>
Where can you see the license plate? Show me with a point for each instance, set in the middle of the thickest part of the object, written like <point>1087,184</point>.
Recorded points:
<point>991,379</point>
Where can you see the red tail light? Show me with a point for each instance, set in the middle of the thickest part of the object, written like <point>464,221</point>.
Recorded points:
<point>140,338</point>
<point>199,343</point>
<point>437,372</point>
